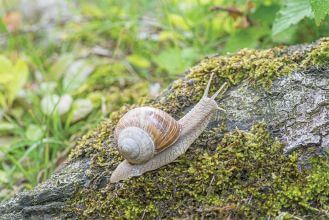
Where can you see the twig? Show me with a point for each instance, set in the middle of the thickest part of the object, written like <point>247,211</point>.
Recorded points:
<point>227,9</point>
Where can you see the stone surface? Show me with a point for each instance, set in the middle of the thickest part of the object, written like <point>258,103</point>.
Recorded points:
<point>296,108</point>
<point>46,201</point>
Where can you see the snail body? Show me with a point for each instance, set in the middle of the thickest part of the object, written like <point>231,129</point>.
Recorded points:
<point>149,138</point>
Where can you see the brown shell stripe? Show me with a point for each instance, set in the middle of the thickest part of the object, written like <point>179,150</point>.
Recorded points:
<point>169,130</point>
<point>163,129</point>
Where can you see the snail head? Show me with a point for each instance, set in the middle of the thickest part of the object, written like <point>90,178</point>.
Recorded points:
<point>220,91</point>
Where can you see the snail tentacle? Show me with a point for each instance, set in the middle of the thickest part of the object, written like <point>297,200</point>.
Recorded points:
<point>221,90</point>
<point>206,91</point>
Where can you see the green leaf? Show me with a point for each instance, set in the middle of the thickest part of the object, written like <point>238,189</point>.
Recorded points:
<point>293,12</point>
<point>91,10</point>
<point>170,60</point>
<point>81,108</point>
<point>3,28</point>
<point>245,38</point>
<point>76,75</point>
<point>320,9</point>
<point>60,66</point>
<point>34,132</point>
<point>65,103</point>
<point>175,60</point>
<point>5,68</point>
<point>2,99</point>
<point>12,79</point>
<point>139,61</point>
<point>6,142</point>
<point>47,87</point>
<point>265,14</point>
<point>20,73</point>
<point>287,37</point>
<point>5,126</point>
<point>51,104</point>
<point>3,177</point>
<point>178,21</point>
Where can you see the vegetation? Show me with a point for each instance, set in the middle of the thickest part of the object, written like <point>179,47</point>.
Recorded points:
<point>66,66</point>
<point>230,176</point>
<point>245,175</point>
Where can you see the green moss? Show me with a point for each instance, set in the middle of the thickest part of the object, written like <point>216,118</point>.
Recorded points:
<point>247,175</point>
<point>243,174</point>
<point>319,56</point>
<point>258,67</point>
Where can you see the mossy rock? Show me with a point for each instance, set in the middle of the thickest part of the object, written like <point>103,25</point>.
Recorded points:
<point>265,157</point>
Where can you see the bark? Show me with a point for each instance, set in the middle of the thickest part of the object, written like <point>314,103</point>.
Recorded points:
<point>296,109</point>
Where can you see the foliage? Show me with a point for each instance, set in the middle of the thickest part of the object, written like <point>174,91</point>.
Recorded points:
<point>65,65</point>
<point>296,10</point>
<point>292,13</point>
<point>320,10</point>
<point>12,79</point>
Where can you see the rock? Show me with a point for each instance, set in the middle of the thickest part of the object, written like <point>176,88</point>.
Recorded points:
<point>287,89</point>
<point>295,108</point>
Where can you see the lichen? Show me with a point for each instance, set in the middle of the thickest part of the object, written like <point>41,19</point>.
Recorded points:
<point>243,174</point>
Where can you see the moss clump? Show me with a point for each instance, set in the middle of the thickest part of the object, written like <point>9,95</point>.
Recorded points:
<point>259,68</point>
<point>246,176</point>
<point>319,56</point>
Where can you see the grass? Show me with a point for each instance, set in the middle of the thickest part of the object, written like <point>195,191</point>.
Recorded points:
<point>131,46</point>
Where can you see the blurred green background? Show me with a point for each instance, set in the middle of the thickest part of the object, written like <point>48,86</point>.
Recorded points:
<point>66,65</point>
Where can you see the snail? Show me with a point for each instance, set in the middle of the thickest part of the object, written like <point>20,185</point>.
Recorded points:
<point>150,138</point>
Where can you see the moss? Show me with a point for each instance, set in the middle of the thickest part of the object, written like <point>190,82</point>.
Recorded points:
<point>319,56</point>
<point>257,67</point>
<point>244,174</point>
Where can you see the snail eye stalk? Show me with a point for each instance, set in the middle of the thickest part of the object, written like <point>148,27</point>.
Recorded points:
<point>220,91</point>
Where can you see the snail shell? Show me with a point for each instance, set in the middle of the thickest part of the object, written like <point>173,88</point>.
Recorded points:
<point>144,132</point>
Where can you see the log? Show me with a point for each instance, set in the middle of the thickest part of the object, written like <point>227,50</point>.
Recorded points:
<point>294,108</point>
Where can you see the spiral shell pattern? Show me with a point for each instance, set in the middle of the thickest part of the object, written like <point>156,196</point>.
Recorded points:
<point>158,126</point>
